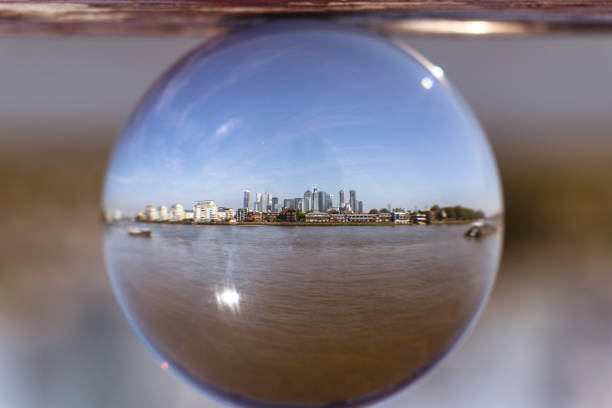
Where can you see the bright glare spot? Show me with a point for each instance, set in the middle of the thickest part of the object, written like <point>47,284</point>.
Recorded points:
<point>165,365</point>
<point>438,71</point>
<point>479,27</point>
<point>229,298</point>
<point>427,83</point>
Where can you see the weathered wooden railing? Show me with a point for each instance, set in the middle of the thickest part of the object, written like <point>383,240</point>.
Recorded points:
<point>208,17</point>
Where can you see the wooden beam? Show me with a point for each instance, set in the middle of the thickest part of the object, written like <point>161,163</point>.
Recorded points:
<point>210,17</point>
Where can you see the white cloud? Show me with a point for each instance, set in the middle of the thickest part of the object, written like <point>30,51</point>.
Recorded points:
<point>223,130</point>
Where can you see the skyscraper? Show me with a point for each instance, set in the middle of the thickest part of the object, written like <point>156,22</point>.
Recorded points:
<point>275,204</point>
<point>267,203</point>
<point>315,200</point>
<point>322,201</point>
<point>341,197</point>
<point>289,203</point>
<point>360,207</point>
<point>307,201</point>
<point>258,199</point>
<point>353,200</point>
<point>246,201</point>
<point>299,203</point>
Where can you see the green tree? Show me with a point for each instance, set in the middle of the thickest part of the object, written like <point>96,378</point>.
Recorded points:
<point>383,211</point>
<point>300,216</point>
<point>436,212</point>
<point>373,211</point>
<point>332,211</point>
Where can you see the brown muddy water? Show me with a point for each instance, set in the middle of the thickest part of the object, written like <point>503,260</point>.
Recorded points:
<point>297,315</point>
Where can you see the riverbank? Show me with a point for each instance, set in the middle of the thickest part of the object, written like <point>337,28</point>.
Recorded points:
<point>309,224</point>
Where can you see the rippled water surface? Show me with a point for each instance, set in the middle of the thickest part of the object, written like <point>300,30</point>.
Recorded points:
<point>314,314</point>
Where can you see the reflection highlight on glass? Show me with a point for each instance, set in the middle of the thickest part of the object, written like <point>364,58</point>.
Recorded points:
<point>228,298</point>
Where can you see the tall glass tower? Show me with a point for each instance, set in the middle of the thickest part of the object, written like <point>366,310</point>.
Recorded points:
<point>246,201</point>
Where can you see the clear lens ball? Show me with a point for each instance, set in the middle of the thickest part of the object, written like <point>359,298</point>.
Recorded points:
<point>302,214</point>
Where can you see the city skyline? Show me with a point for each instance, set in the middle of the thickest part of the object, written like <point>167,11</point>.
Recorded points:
<point>399,142</point>
<point>312,200</point>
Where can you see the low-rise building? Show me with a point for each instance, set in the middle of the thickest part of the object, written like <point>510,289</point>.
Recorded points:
<point>423,217</point>
<point>362,217</point>
<point>402,217</point>
<point>337,217</point>
<point>254,217</point>
<point>163,213</point>
<point>385,217</point>
<point>152,214</point>
<point>287,215</point>
<point>205,211</point>
<point>316,217</point>
<point>177,213</point>
<point>242,214</point>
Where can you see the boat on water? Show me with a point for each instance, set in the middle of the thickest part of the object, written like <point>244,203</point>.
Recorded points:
<point>139,232</point>
<point>479,229</point>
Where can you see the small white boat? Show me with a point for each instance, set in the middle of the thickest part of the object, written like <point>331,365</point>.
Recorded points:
<point>479,229</point>
<point>139,232</point>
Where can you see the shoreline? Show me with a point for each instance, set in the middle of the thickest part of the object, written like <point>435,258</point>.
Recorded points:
<point>310,224</point>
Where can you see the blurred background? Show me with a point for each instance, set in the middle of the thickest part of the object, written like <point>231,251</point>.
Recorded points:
<point>544,339</point>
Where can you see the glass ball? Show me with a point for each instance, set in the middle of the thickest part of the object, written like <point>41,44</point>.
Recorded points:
<point>302,214</point>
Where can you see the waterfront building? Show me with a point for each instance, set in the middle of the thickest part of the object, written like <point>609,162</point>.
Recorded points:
<point>337,217</point>
<point>152,213</point>
<point>385,217</point>
<point>163,213</point>
<point>246,200</point>
<point>353,199</point>
<point>342,199</point>
<point>242,214</point>
<point>401,217</point>
<point>188,215</point>
<point>205,210</point>
<point>423,217</point>
<point>288,215</point>
<point>275,205</point>
<point>225,214</point>
<point>271,217</point>
<point>176,212</point>
<point>360,206</point>
<point>348,209</point>
<point>360,217</point>
<point>254,217</point>
<point>317,217</point>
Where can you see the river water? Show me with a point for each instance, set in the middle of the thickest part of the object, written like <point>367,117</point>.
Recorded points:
<point>311,315</point>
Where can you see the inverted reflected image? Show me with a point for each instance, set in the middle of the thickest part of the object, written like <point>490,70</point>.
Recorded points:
<point>302,214</point>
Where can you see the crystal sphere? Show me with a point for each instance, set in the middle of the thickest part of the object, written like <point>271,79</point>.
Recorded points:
<point>302,214</point>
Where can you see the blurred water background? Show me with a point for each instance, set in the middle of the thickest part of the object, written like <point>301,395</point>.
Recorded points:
<point>544,340</point>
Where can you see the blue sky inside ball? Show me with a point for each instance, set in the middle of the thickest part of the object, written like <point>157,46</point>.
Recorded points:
<point>287,107</point>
